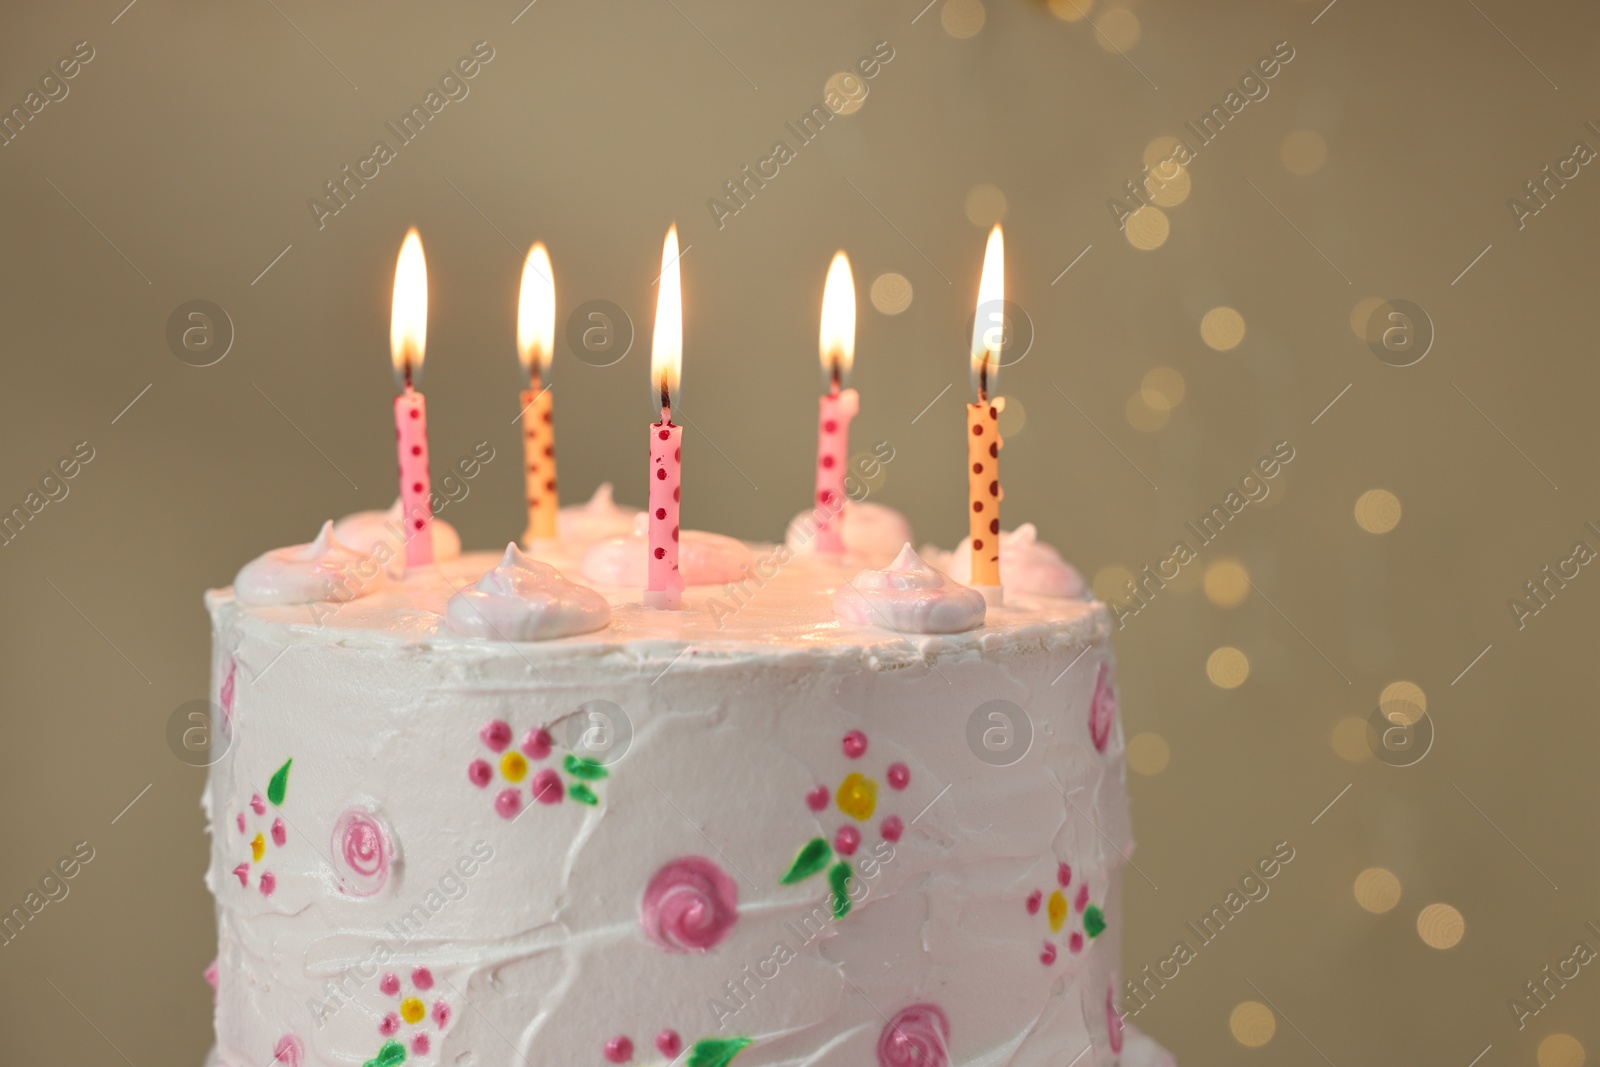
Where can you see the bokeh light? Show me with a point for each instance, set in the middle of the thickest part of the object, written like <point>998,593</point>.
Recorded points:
<point>1227,582</point>
<point>986,205</point>
<point>1163,385</point>
<point>891,293</point>
<point>962,18</point>
<point>1253,1024</point>
<point>1013,417</point>
<point>1377,890</point>
<point>1222,328</point>
<point>1303,152</point>
<point>1110,583</point>
<point>1169,186</point>
<point>1377,511</point>
<point>1148,753</point>
<point>1440,926</point>
<point>848,89</point>
<point>1071,10</point>
<point>1227,667</point>
<point>1147,228</point>
<point>1561,1050</point>
<point>1160,149</point>
<point>1117,30</point>
<point>1145,416</point>
<point>1349,739</point>
<point>1402,701</point>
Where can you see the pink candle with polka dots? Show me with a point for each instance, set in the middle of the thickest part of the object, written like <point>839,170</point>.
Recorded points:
<point>664,582</point>
<point>837,345</point>
<point>408,332</point>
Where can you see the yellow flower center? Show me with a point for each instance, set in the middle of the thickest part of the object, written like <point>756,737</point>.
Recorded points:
<point>513,766</point>
<point>857,797</point>
<point>1056,910</point>
<point>411,1010</point>
<point>258,848</point>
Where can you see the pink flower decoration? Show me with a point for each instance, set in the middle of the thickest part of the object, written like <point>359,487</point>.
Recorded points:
<point>389,986</point>
<point>1064,875</point>
<point>537,744</point>
<point>269,882</point>
<point>479,773</point>
<point>669,1044</point>
<point>899,776</point>
<point>619,1049</point>
<point>846,840</point>
<point>362,852</point>
<point>1102,709</point>
<point>892,828</point>
<point>280,834</point>
<point>918,1036</point>
<point>422,978</point>
<point>507,803</point>
<point>1034,900</point>
<point>288,1051</point>
<point>1047,955</point>
<point>390,1025</point>
<point>689,905</point>
<point>441,1014</point>
<point>496,734</point>
<point>816,800</point>
<point>419,1044</point>
<point>547,787</point>
<point>855,744</point>
<point>1113,1017</point>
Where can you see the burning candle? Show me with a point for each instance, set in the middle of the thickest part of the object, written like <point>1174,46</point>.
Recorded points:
<point>837,346</point>
<point>408,333</point>
<point>983,422</point>
<point>664,588</point>
<point>536,326</point>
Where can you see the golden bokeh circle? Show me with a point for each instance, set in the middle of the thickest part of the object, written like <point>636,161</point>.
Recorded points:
<point>1013,417</point>
<point>1160,150</point>
<point>1349,739</point>
<point>1169,185</point>
<point>1377,511</point>
<point>1118,30</point>
<point>1441,926</point>
<point>891,293</point>
<point>848,88</point>
<point>1303,152</point>
<point>1361,316</point>
<point>1561,1050</point>
<point>1145,416</point>
<point>1402,702</point>
<point>1070,10</point>
<point>1377,890</point>
<point>962,18</point>
<point>1147,228</point>
<point>1227,667</point>
<point>1110,583</point>
<point>986,205</point>
<point>1252,1024</point>
<point>1148,753</point>
<point>1163,385</point>
<point>1222,328</point>
<point>1227,582</point>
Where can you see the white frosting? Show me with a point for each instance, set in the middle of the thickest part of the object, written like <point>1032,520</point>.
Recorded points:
<point>549,933</point>
<point>600,517</point>
<point>364,531</point>
<point>703,558</point>
<point>873,533</point>
<point>525,600</point>
<point>324,570</point>
<point>1027,565</point>
<point>908,596</point>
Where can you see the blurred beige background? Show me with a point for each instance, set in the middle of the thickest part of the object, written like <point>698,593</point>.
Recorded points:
<point>1378,166</point>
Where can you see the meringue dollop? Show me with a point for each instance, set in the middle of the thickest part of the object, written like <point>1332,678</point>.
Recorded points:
<point>324,570</point>
<point>600,517</point>
<point>364,531</point>
<point>523,599</point>
<point>1027,565</point>
<point>909,596</point>
<point>703,558</point>
<point>872,532</point>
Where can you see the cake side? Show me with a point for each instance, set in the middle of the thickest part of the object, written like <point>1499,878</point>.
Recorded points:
<point>759,834</point>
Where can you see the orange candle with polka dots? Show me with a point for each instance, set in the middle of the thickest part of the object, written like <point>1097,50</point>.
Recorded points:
<point>536,323</point>
<point>984,492</point>
<point>408,333</point>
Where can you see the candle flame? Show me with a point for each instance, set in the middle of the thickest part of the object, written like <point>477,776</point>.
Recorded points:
<point>989,323</point>
<point>666,344</point>
<point>536,314</point>
<point>837,343</point>
<point>408,319</point>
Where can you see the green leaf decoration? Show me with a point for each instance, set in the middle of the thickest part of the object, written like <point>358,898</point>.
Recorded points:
<point>279,786</point>
<point>1094,920</point>
<point>812,857</point>
<point>582,794</point>
<point>392,1052</point>
<point>716,1051</point>
<point>590,770</point>
<point>839,879</point>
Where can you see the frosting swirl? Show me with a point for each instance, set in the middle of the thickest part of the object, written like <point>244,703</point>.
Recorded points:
<point>911,597</point>
<point>600,517</point>
<point>324,570</point>
<point>1027,565</point>
<point>366,531</point>
<point>362,851</point>
<point>703,558</point>
<point>689,905</point>
<point>872,532</point>
<point>523,599</point>
<point>917,1036</point>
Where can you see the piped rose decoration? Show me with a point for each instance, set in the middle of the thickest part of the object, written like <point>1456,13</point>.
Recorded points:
<point>363,852</point>
<point>917,1036</point>
<point>689,905</point>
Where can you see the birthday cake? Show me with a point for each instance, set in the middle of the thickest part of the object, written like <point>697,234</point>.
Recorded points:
<point>834,810</point>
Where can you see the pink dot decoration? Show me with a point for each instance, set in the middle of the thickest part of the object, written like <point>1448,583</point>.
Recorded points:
<point>689,905</point>
<point>1047,955</point>
<point>242,872</point>
<point>918,1036</point>
<point>288,1051</point>
<point>899,776</point>
<point>280,833</point>
<point>1102,709</point>
<point>420,1044</point>
<point>817,799</point>
<point>1064,875</point>
<point>1083,897</point>
<point>390,1024</point>
<point>619,1049</point>
<point>507,803</point>
<point>892,828</point>
<point>258,805</point>
<point>1034,900</point>
<point>1075,942</point>
<point>669,1044</point>
<point>225,697</point>
<point>855,744</point>
<point>496,734</point>
<point>422,978</point>
<point>536,745</point>
<point>240,820</point>
<point>846,840</point>
<point>269,882</point>
<point>547,787</point>
<point>479,773</point>
<point>362,851</point>
<point>441,1014</point>
<point>390,985</point>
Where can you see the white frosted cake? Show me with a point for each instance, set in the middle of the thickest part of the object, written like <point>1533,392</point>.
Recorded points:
<point>487,815</point>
